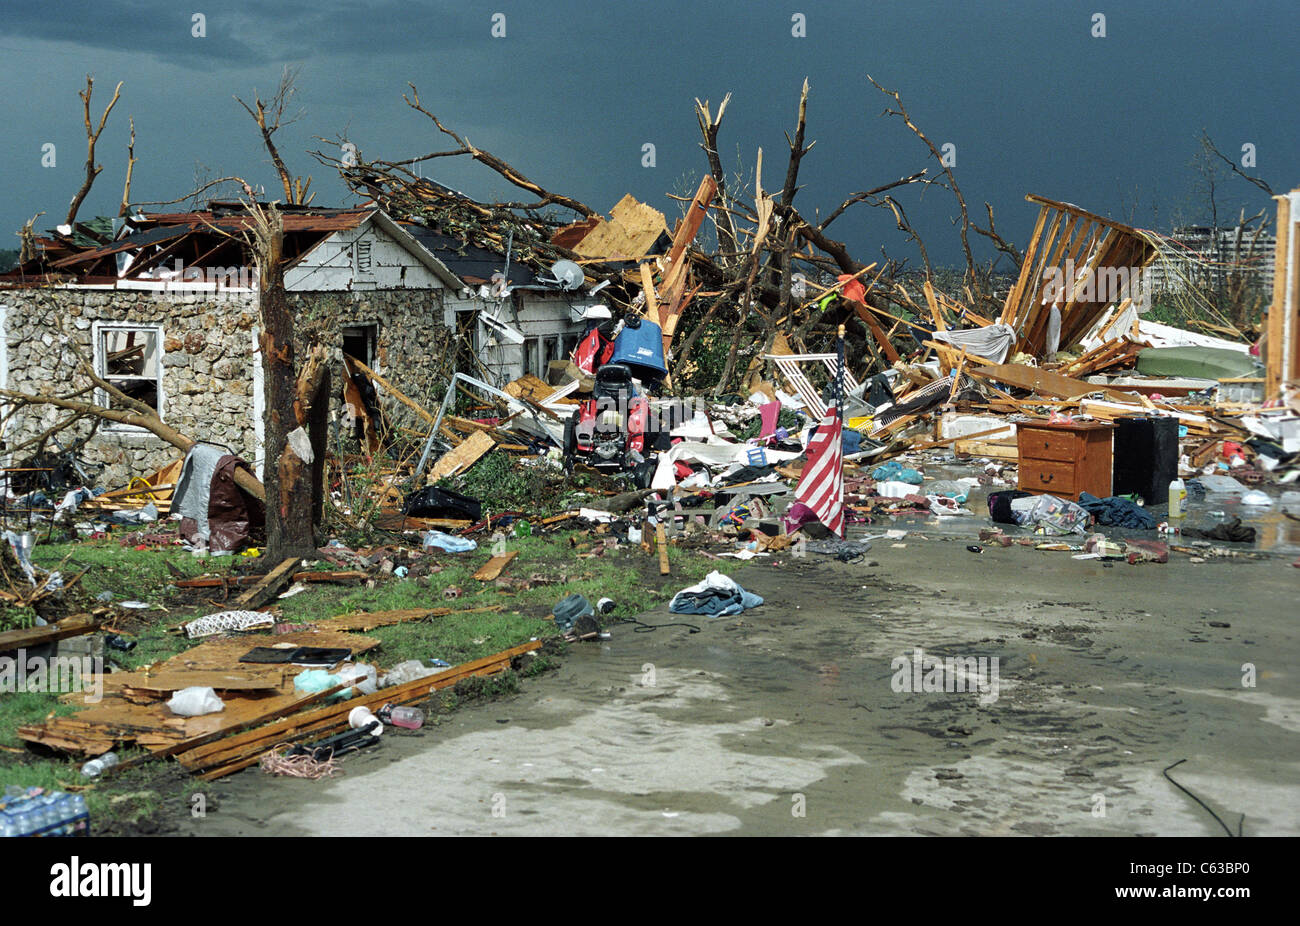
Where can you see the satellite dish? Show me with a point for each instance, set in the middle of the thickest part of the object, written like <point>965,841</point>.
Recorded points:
<point>499,287</point>
<point>567,274</point>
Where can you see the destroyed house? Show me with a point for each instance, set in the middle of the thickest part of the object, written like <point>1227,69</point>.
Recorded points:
<point>166,307</point>
<point>518,321</point>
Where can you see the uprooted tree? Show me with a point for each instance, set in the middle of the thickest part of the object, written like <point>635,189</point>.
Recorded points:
<point>763,275</point>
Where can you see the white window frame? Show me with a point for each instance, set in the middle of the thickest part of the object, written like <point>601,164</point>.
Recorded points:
<point>97,330</point>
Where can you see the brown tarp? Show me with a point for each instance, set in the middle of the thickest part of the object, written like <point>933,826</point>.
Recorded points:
<point>232,513</point>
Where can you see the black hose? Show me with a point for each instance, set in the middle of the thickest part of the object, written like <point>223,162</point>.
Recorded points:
<point>1202,803</point>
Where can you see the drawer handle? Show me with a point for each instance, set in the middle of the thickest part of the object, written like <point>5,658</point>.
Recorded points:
<point>1046,477</point>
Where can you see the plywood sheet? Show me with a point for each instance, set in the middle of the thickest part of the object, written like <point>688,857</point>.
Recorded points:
<point>629,234</point>
<point>224,654</point>
<point>461,457</point>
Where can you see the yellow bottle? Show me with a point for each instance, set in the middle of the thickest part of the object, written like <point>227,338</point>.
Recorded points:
<point>1177,495</point>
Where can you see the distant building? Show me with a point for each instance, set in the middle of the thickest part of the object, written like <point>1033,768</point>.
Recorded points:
<point>1205,258</point>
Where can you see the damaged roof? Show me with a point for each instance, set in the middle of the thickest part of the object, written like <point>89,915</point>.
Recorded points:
<point>473,264</point>
<point>203,238</point>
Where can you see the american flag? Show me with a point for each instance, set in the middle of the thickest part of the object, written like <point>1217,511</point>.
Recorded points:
<point>821,487</point>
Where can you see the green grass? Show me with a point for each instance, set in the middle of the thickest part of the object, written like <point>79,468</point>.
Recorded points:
<point>130,574</point>
<point>626,574</point>
<point>17,708</point>
<point>462,637</point>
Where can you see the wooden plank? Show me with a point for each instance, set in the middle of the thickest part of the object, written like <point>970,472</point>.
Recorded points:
<point>396,521</point>
<point>254,678</point>
<point>1045,383</point>
<point>371,620</point>
<point>492,568</point>
<point>231,754</point>
<point>547,522</point>
<point>461,457</point>
<point>1286,256</point>
<point>662,540</point>
<point>995,451</point>
<point>306,575</point>
<point>674,277</point>
<point>935,315</point>
<point>75,626</point>
<point>651,297</point>
<point>266,589</point>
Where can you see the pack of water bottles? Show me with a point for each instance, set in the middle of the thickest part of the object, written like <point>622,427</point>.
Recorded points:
<point>38,812</point>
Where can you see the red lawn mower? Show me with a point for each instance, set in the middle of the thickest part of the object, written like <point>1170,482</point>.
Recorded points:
<point>610,430</point>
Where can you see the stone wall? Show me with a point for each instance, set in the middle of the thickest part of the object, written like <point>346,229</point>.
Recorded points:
<point>208,377</point>
<point>207,370</point>
<point>414,350</point>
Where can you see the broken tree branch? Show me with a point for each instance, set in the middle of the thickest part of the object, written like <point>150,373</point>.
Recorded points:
<point>92,136</point>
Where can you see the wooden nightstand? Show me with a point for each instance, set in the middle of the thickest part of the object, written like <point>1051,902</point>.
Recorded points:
<point>1065,459</point>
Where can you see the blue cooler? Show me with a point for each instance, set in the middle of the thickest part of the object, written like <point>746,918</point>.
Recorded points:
<point>642,349</point>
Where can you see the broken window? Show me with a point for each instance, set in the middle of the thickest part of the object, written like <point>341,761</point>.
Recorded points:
<point>532,356</point>
<point>130,357</point>
<point>359,343</point>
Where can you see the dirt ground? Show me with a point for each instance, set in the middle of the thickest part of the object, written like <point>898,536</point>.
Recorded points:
<point>785,720</point>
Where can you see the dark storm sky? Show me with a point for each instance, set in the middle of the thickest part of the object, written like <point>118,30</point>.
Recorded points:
<point>1032,102</point>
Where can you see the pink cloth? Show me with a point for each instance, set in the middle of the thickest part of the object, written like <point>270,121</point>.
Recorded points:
<point>769,414</point>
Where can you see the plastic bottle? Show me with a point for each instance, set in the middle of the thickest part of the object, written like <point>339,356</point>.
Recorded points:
<point>1177,495</point>
<point>409,718</point>
<point>95,766</point>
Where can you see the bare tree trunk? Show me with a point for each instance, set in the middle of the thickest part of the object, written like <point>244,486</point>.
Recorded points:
<point>289,489</point>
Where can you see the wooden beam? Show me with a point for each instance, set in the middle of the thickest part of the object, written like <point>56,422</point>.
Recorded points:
<point>1286,258</point>
<point>267,588</point>
<point>75,626</point>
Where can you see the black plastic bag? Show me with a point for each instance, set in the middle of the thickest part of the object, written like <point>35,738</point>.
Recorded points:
<point>432,502</point>
<point>1000,505</point>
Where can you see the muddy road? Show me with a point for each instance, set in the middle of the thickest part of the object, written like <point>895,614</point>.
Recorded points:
<point>786,719</point>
